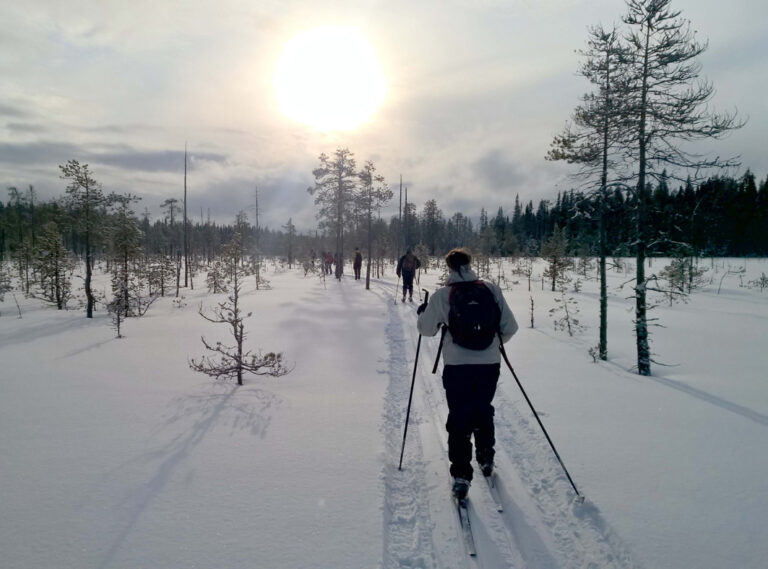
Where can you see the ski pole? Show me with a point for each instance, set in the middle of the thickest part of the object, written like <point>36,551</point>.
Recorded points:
<point>440,347</point>
<point>579,496</point>
<point>397,286</point>
<point>410,397</point>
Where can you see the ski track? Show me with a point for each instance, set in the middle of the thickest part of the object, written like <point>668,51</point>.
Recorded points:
<point>407,524</point>
<point>541,526</point>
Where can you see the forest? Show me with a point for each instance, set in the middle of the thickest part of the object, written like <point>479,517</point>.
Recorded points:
<point>721,216</point>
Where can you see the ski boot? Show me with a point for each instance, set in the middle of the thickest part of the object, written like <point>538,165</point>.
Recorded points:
<point>460,488</point>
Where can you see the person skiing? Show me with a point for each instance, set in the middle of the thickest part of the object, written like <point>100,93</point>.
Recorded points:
<point>470,374</point>
<point>406,268</point>
<point>357,264</point>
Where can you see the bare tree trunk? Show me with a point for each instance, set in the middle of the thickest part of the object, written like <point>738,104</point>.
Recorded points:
<point>641,322</point>
<point>370,239</point>
<point>178,273</point>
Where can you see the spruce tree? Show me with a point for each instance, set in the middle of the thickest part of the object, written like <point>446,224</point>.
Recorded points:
<point>553,251</point>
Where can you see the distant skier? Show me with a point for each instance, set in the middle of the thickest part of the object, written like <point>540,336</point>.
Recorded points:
<point>406,268</point>
<point>357,264</point>
<point>328,262</point>
<point>472,314</point>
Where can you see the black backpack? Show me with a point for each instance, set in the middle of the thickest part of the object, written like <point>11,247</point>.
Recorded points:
<point>409,262</point>
<point>474,316</point>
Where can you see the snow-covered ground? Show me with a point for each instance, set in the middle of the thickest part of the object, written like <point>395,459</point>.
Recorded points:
<point>114,454</point>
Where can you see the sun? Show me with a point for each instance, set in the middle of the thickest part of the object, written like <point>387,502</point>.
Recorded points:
<point>329,78</point>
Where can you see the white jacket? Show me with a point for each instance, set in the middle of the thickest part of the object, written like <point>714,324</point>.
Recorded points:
<point>430,320</point>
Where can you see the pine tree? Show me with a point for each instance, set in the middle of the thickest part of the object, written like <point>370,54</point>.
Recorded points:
<point>290,229</point>
<point>336,182</point>
<point>664,105</point>
<point>231,362</point>
<point>124,239</point>
<point>87,202</point>
<point>374,194</point>
<point>594,136</point>
<point>54,265</point>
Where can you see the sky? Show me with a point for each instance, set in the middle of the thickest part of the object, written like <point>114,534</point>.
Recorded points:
<point>476,90</point>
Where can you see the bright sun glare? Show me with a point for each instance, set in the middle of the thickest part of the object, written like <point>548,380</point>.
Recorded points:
<point>329,78</point>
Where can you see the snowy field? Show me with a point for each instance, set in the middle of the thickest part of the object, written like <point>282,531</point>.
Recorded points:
<point>114,454</point>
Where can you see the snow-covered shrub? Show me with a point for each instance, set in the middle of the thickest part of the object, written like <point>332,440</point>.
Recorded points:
<point>761,283</point>
<point>564,315</point>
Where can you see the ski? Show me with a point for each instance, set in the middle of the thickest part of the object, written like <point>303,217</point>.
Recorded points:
<point>494,491</point>
<point>466,527</point>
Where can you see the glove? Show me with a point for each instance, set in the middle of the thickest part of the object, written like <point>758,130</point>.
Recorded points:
<point>422,307</point>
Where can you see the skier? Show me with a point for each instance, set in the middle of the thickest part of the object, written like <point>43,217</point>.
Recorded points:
<point>358,263</point>
<point>471,361</point>
<point>406,267</point>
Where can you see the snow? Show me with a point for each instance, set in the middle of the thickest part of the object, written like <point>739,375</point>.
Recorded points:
<point>114,454</point>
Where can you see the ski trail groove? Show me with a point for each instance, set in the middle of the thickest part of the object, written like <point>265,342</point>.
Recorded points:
<point>541,527</point>
<point>570,535</point>
<point>407,525</point>
<point>495,549</point>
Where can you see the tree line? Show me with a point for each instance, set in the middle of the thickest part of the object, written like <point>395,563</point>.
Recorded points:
<point>720,216</point>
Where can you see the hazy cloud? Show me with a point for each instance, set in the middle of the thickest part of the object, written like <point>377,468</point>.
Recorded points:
<point>14,112</point>
<point>498,171</point>
<point>25,128</point>
<point>40,153</point>
<point>477,89</point>
<point>48,153</point>
<point>155,161</point>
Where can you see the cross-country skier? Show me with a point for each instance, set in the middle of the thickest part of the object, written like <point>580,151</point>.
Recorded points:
<point>358,263</point>
<point>406,268</point>
<point>470,374</point>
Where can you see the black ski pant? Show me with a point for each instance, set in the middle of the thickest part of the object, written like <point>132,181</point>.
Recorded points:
<point>408,282</point>
<point>470,390</point>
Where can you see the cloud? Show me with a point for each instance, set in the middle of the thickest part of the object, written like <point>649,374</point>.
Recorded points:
<point>498,171</point>
<point>281,197</point>
<point>476,94</point>
<point>15,112</point>
<point>47,153</point>
<point>25,128</point>
<point>37,153</point>
<point>154,161</point>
